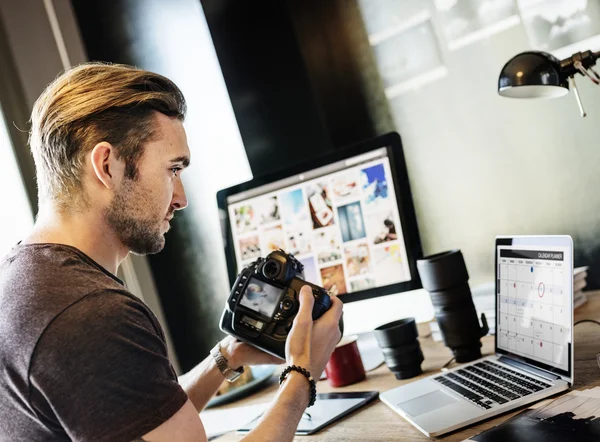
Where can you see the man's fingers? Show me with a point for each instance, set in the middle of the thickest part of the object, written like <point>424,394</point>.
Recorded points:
<point>337,306</point>
<point>307,301</point>
<point>335,311</point>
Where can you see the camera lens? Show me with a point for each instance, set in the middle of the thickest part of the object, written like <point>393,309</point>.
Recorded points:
<point>400,347</point>
<point>271,269</point>
<point>445,277</point>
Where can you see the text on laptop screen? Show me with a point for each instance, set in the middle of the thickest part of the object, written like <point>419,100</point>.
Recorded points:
<point>341,221</point>
<point>535,303</point>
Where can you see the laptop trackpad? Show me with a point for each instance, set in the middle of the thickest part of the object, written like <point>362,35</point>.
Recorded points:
<point>426,403</point>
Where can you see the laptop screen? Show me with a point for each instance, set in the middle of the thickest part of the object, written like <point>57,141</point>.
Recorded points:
<point>535,302</point>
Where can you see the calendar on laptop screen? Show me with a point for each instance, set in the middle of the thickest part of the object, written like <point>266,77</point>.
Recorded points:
<point>535,303</point>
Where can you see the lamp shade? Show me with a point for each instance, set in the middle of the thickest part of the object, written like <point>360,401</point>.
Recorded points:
<point>532,74</point>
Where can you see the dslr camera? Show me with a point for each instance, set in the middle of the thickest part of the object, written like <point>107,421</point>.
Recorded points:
<point>264,302</point>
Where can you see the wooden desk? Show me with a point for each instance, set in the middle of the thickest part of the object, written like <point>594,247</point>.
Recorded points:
<point>377,422</point>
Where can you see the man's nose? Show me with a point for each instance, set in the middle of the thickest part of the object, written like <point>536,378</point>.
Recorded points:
<point>179,199</point>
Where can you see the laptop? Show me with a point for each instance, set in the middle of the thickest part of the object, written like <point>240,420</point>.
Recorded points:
<point>533,343</point>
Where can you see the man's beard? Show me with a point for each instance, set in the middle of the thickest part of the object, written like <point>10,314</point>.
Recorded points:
<point>141,235</point>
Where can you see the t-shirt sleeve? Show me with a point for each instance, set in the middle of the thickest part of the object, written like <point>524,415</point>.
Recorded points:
<point>101,371</point>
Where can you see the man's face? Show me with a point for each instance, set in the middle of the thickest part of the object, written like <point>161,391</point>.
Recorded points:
<point>141,209</point>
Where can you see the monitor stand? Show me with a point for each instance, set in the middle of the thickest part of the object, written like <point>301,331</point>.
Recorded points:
<point>367,315</point>
<point>362,317</point>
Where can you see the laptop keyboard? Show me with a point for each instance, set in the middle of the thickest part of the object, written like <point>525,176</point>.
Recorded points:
<point>487,384</point>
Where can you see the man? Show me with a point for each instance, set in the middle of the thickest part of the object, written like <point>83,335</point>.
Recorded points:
<point>81,357</point>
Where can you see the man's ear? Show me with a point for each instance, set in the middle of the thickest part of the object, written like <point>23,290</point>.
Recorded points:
<point>107,169</point>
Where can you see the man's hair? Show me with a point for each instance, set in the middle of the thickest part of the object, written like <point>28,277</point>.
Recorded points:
<point>86,105</point>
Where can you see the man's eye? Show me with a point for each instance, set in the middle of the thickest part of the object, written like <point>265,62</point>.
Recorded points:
<point>175,170</point>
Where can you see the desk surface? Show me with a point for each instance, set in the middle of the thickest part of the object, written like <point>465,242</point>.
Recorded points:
<point>377,422</point>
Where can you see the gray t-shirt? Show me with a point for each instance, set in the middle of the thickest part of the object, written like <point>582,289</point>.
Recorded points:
<point>80,357</point>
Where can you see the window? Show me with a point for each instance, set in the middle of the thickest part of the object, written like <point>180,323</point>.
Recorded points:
<point>16,217</point>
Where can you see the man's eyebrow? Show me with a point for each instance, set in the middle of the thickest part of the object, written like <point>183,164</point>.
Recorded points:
<point>185,160</point>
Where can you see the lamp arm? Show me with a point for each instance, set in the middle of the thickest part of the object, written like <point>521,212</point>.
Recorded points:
<point>574,64</point>
<point>579,66</point>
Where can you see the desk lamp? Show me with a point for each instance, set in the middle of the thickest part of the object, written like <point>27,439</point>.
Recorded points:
<point>536,74</point>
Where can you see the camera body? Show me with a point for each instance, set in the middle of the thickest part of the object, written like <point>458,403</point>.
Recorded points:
<point>264,301</point>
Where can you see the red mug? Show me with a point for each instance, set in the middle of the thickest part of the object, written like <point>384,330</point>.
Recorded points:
<point>345,365</point>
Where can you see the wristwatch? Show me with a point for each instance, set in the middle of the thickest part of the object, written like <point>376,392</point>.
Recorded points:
<point>223,366</point>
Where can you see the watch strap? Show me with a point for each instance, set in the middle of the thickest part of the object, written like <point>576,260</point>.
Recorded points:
<point>229,373</point>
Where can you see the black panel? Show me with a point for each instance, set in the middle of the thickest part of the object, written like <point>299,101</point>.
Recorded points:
<point>267,81</point>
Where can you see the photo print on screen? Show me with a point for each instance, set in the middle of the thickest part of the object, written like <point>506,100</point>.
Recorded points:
<point>261,297</point>
<point>345,187</point>
<point>319,202</point>
<point>362,284</point>
<point>272,239</point>
<point>351,222</point>
<point>327,245</point>
<point>358,260</point>
<point>267,210</point>
<point>374,184</point>
<point>381,227</point>
<point>293,207</point>
<point>245,220</point>
<point>389,264</point>
<point>333,280</point>
<point>298,242</point>
<point>250,248</point>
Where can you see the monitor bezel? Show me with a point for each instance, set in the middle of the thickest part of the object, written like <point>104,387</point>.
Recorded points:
<point>408,220</point>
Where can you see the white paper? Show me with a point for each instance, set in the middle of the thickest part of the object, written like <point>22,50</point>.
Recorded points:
<point>218,422</point>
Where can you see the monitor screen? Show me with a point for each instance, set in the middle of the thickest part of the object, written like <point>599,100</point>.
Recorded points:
<point>348,218</point>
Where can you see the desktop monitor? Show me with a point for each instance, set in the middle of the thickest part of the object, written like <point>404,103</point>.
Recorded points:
<point>348,216</point>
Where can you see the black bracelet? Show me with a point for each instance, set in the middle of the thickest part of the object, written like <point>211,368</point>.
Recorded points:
<point>307,375</point>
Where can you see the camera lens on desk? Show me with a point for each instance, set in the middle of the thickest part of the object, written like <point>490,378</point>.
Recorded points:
<point>445,277</point>
<point>400,347</point>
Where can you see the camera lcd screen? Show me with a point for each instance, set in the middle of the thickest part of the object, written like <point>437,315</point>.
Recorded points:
<point>261,297</point>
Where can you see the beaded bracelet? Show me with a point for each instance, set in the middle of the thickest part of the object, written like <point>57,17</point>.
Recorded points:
<point>307,375</point>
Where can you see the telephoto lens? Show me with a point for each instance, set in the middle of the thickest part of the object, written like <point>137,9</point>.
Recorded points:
<point>400,347</point>
<point>446,279</point>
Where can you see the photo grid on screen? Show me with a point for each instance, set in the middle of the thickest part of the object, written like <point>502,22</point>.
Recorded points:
<point>344,227</point>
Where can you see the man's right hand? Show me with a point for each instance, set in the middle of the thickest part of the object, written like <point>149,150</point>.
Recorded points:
<point>310,343</point>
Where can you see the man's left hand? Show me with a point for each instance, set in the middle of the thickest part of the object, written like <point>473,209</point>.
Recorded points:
<point>239,353</point>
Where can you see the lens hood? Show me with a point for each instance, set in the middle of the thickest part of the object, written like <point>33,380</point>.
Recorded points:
<point>397,333</point>
<point>442,271</point>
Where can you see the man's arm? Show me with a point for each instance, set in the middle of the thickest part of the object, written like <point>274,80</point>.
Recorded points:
<point>309,345</point>
<point>277,424</point>
<point>202,382</point>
